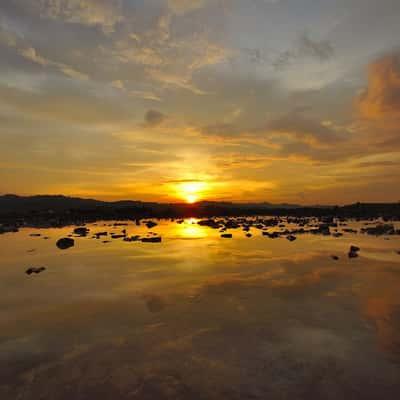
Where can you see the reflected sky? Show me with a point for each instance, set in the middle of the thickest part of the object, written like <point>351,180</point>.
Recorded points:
<point>198,316</point>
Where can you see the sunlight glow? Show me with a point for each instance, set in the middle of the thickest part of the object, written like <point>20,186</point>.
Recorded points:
<point>191,191</point>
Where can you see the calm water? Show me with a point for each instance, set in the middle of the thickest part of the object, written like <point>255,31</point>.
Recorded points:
<point>198,316</point>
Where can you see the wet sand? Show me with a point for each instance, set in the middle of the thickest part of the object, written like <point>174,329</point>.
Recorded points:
<point>198,316</point>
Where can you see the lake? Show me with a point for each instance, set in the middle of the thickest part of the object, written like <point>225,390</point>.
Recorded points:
<point>198,316</point>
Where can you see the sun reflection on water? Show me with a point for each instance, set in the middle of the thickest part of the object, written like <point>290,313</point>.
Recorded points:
<point>189,229</point>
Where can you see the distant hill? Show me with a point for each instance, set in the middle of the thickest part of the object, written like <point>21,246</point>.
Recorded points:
<point>14,203</point>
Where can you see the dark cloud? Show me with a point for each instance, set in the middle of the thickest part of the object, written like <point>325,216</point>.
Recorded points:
<point>154,118</point>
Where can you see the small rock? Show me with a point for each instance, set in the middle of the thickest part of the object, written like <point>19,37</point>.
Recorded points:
<point>291,238</point>
<point>117,236</point>
<point>156,239</point>
<point>334,257</point>
<point>227,235</point>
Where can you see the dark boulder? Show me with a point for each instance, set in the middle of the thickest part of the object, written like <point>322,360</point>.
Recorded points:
<point>65,243</point>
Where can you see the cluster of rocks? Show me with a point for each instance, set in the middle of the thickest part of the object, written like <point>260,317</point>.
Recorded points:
<point>381,229</point>
<point>326,226</point>
<point>83,231</point>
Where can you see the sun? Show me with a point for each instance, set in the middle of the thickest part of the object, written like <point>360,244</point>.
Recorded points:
<point>191,198</point>
<point>191,192</point>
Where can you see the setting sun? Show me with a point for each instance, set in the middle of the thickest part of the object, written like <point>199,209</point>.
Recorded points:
<point>191,191</point>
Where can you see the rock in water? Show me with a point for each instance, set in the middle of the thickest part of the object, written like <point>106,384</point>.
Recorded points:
<point>291,238</point>
<point>34,270</point>
<point>82,231</point>
<point>65,243</point>
<point>335,257</point>
<point>156,239</point>
<point>227,235</point>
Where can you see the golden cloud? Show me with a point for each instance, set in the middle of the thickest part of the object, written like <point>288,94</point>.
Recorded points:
<point>382,96</point>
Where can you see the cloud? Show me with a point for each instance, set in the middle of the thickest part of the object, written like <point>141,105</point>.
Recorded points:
<point>381,99</point>
<point>31,54</point>
<point>103,13</point>
<point>17,42</point>
<point>154,118</point>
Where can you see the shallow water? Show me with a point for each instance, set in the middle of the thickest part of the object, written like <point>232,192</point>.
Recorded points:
<point>198,316</point>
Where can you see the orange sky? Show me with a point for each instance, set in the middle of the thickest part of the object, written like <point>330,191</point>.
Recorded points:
<point>171,100</point>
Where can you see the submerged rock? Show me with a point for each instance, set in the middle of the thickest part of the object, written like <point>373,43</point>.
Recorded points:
<point>34,270</point>
<point>291,238</point>
<point>227,235</point>
<point>151,224</point>
<point>65,243</point>
<point>334,257</point>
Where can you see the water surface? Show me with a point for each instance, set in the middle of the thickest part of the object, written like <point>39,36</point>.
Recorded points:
<point>198,316</point>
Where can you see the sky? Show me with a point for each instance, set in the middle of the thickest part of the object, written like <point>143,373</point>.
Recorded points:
<point>184,100</point>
